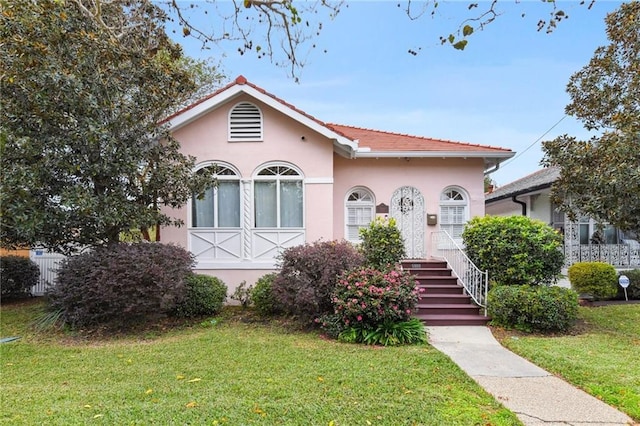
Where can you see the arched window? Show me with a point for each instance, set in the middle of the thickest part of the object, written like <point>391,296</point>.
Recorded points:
<point>454,211</point>
<point>220,206</point>
<point>359,212</point>
<point>278,197</point>
<point>245,123</point>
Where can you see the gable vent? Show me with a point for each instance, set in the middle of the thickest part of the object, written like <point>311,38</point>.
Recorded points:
<point>245,122</point>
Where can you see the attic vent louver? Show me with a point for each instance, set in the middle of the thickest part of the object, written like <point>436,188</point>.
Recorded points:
<point>245,122</point>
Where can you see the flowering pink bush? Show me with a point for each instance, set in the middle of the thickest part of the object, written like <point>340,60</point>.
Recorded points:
<point>367,297</point>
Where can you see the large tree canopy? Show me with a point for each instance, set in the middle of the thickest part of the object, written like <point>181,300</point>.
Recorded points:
<point>83,158</point>
<point>601,177</point>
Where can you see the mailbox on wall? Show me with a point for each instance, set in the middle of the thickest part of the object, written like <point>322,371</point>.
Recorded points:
<point>432,219</point>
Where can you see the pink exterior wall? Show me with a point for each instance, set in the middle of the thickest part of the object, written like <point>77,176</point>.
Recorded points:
<point>429,175</point>
<point>207,139</point>
<point>328,177</point>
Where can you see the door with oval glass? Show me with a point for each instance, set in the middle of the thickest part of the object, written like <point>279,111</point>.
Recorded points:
<point>407,208</point>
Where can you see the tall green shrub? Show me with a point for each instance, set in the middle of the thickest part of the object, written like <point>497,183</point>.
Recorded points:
<point>597,279</point>
<point>17,275</point>
<point>515,249</point>
<point>382,244</point>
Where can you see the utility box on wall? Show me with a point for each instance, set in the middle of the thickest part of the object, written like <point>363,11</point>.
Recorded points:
<point>432,219</point>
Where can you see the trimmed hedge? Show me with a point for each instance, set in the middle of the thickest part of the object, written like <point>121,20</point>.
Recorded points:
<point>120,284</point>
<point>597,279</point>
<point>533,308</point>
<point>516,250</point>
<point>17,275</point>
<point>205,295</point>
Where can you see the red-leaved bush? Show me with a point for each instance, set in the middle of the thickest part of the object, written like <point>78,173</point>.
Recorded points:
<point>309,274</point>
<point>120,284</point>
<point>367,297</point>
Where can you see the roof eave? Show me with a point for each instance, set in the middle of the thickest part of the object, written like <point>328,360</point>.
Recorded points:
<point>529,190</point>
<point>498,156</point>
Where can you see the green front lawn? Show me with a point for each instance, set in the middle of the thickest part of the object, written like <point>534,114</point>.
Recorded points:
<point>231,373</point>
<point>603,359</point>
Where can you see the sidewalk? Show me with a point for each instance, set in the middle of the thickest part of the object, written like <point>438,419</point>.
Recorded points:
<point>534,395</point>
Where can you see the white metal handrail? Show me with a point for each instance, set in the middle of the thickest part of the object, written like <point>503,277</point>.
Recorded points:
<point>474,281</point>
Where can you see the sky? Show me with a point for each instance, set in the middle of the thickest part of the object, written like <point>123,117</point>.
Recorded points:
<point>507,88</point>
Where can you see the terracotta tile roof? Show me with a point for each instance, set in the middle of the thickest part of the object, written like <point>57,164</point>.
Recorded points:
<point>540,179</point>
<point>379,140</point>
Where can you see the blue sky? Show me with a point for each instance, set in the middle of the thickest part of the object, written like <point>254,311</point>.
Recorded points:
<point>507,88</point>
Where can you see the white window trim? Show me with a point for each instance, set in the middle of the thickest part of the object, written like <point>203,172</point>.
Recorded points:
<point>259,138</point>
<point>346,209</point>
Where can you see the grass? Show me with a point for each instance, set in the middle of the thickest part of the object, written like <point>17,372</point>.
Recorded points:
<point>603,359</point>
<point>230,373</point>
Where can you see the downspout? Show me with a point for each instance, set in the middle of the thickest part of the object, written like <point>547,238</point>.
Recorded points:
<point>494,169</point>
<point>522,203</point>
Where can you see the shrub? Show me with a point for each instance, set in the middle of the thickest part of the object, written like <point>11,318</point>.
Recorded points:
<point>382,244</point>
<point>388,333</point>
<point>309,274</point>
<point>242,294</point>
<point>120,284</point>
<point>533,308</point>
<point>597,279</point>
<point>17,275</point>
<point>514,250</point>
<point>369,297</point>
<point>262,295</point>
<point>373,307</point>
<point>633,291</point>
<point>205,295</point>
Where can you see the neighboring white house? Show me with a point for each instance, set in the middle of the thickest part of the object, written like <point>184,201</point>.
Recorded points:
<point>584,239</point>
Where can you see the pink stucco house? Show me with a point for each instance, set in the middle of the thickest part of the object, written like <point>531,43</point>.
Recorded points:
<point>286,178</point>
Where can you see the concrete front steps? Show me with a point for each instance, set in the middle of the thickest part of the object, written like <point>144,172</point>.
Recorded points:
<point>443,300</point>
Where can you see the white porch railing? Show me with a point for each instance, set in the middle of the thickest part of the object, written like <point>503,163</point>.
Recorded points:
<point>618,255</point>
<point>474,281</point>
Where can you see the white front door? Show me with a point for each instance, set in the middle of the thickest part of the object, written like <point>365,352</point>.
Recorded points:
<point>407,208</point>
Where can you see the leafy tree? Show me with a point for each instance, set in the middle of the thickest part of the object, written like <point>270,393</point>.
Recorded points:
<point>281,31</point>
<point>83,157</point>
<point>601,177</point>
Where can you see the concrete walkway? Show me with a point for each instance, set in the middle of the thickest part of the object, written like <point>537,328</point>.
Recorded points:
<point>534,395</point>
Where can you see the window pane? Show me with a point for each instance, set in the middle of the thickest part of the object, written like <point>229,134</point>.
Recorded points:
<point>353,233</point>
<point>610,235</point>
<point>203,215</point>
<point>228,204</point>
<point>291,204</point>
<point>265,204</point>
<point>584,233</point>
